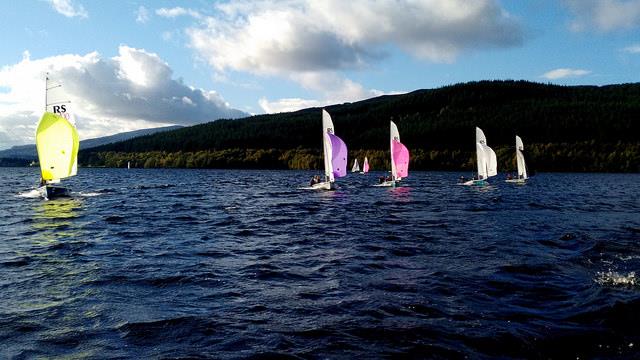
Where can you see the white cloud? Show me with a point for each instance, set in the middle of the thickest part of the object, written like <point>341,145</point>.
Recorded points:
<point>267,37</point>
<point>130,91</point>
<point>66,8</point>
<point>563,73</point>
<point>632,49</point>
<point>177,11</point>
<point>313,42</point>
<point>604,15</point>
<point>142,15</point>
<point>331,87</point>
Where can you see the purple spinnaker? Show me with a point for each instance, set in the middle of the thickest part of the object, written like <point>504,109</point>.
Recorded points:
<point>401,158</point>
<point>339,159</point>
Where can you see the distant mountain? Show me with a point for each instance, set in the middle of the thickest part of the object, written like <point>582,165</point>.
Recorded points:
<point>28,152</point>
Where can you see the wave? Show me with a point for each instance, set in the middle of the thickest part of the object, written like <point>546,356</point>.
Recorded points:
<point>615,279</point>
<point>31,194</point>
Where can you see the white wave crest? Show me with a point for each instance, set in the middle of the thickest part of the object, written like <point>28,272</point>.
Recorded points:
<point>31,194</point>
<point>612,278</point>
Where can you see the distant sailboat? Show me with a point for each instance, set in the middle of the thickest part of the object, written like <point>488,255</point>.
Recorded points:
<point>399,159</point>
<point>335,155</point>
<point>356,166</point>
<point>522,168</point>
<point>486,159</point>
<point>128,165</point>
<point>365,166</point>
<point>57,143</point>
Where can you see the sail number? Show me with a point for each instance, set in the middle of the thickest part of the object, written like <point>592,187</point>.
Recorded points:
<point>59,109</point>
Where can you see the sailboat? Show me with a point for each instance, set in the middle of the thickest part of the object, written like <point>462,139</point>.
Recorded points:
<point>335,155</point>
<point>365,166</point>
<point>399,159</point>
<point>356,166</point>
<point>57,143</point>
<point>522,168</point>
<point>487,161</point>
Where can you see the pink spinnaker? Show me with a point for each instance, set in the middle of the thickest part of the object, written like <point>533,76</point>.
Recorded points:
<point>400,158</point>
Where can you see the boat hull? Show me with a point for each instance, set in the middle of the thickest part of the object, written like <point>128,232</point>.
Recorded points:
<point>49,192</point>
<point>325,185</point>
<point>391,183</point>
<point>516,181</point>
<point>475,183</point>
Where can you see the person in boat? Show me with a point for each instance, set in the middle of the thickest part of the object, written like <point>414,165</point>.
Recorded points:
<point>314,180</point>
<point>43,182</point>
<point>461,180</point>
<point>509,177</point>
<point>381,179</point>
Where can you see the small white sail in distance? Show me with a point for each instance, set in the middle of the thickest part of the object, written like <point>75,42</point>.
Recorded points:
<point>522,168</point>
<point>356,166</point>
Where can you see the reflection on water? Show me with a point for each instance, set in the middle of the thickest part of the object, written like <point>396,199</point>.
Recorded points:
<point>54,220</point>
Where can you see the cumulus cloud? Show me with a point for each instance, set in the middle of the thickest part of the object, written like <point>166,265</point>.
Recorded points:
<point>142,15</point>
<point>130,91</point>
<point>563,73</point>
<point>66,8</point>
<point>313,42</point>
<point>301,35</point>
<point>604,15</point>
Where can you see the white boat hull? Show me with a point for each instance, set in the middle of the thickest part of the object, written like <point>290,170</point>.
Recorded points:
<point>391,183</point>
<point>49,192</point>
<point>326,185</point>
<point>516,181</point>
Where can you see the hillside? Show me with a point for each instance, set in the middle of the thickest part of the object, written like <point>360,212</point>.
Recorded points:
<point>563,127</point>
<point>29,153</point>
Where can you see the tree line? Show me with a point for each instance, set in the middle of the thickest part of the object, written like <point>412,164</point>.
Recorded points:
<point>579,157</point>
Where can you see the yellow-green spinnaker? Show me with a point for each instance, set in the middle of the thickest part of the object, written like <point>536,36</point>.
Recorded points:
<point>57,142</point>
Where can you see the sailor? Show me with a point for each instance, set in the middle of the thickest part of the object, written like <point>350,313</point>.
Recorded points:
<point>43,182</point>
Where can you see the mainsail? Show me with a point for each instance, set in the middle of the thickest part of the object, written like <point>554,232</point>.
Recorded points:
<point>356,166</point>
<point>365,165</point>
<point>522,169</point>
<point>486,157</point>
<point>399,155</point>
<point>57,142</point>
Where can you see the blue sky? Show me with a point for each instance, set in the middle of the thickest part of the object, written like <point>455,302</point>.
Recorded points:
<point>127,65</point>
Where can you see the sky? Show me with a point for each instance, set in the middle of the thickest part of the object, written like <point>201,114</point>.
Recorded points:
<point>133,64</point>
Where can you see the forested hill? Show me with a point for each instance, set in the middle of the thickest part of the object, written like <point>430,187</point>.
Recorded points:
<point>439,120</point>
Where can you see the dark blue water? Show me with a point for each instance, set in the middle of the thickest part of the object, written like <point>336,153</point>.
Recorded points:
<point>236,264</point>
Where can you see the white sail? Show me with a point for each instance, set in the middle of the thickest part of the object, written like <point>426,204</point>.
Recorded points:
<point>482,161</point>
<point>394,135</point>
<point>522,169</point>
<point>356,166</point>
<point>486,157</point>
<point>492,162</point>
<point>327,128</point>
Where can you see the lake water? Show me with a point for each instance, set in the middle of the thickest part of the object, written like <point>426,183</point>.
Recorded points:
<point>236,264</point>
